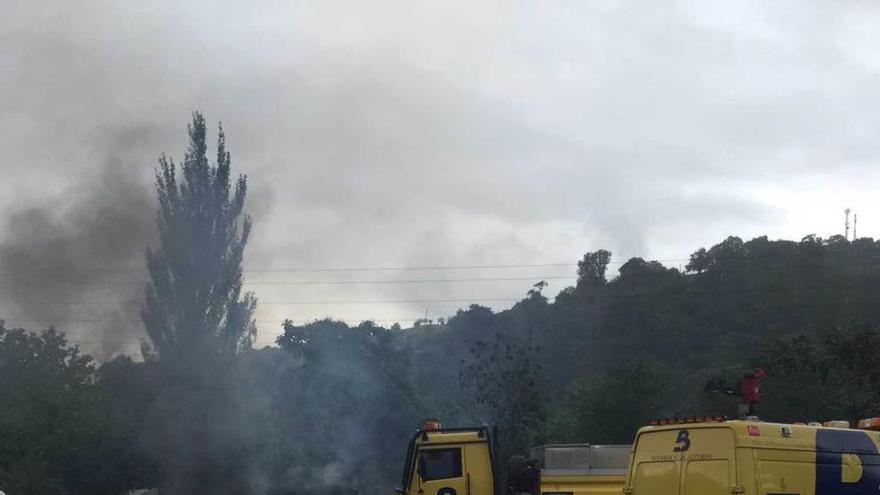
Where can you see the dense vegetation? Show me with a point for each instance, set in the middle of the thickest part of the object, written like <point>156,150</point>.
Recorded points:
<point>615,351</point>
<point>331,406</point>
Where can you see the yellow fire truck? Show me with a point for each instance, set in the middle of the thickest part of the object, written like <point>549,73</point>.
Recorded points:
<point>706,455</point>
<point>461,461</point>
<point>713,456</point>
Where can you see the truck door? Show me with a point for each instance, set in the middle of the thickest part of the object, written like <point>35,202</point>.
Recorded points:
<point>706,466</point>
<point>656,467</point>
<point>706,477</point>
<point>440,471</point>
<point>687,461</point>
<point>656,478</point>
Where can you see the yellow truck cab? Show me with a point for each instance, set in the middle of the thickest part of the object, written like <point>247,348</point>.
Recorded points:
<point>461,461</point>
<point>450,461</point>
<point>714,456</point>
<point>581,469</point>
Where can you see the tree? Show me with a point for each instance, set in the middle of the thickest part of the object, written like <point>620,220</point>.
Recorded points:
<point>608,409</point>
<point>535,293</point>
<point>592,268</point>
<point>57,431</point>
<point>728,257</point>
<point>472,320</point>
<point>194,300</point>
<point>834,376</point>
<point>198,319</point>
<point>131,387</point>
<point>700,261</point>
<point>637,267</point>
<point>346,392</point>
<point>500,377</point>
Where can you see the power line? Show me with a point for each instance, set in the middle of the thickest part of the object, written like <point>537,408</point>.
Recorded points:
<point>412,268</point>
<point>380,301</point>
<point>458,300</point>
<point>343,282</point>
<point>371,268</point>
<point>120,322</point>
<point>736,263</point>
<point>418,281</point>
<point>739,267</point>
<point>686,292</point>
<point>352,268</point>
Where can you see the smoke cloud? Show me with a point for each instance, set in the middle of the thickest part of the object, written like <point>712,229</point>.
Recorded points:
<point>74,258</point>
<point>456,134</point>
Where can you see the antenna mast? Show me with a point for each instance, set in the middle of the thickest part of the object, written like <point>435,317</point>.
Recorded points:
<point>846,224</point>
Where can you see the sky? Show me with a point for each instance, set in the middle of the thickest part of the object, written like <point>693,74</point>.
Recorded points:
<point>423,134</point>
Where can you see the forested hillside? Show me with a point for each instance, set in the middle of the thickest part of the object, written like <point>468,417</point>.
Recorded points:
<point>735,305</point>
<point>332,405</point>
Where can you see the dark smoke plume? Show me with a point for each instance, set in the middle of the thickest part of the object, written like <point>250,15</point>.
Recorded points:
<point>75,259</point>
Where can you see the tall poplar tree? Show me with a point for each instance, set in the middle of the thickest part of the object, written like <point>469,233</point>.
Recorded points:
<point>194,301</point>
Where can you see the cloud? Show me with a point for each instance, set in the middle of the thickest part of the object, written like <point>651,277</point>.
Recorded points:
<point>388,134</point>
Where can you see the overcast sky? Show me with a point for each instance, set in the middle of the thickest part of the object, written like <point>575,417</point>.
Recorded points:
<point>413,134</point>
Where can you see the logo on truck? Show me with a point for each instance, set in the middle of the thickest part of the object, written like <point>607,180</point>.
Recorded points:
<point>834,450</point>
<point>682,442</point>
